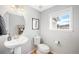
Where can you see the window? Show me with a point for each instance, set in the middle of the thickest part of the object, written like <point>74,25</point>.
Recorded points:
<point>61,20</point>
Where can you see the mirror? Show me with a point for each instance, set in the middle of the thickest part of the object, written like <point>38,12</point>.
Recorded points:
<point>15,23</point>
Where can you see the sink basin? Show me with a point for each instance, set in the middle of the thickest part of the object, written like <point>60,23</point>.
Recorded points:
<point>16,42</point>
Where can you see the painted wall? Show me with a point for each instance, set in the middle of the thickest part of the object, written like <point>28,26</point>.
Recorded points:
<point>69,40</point>
<point>29,14</point>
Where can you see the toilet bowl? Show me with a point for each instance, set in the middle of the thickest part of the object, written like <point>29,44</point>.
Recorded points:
<point>41,48</point>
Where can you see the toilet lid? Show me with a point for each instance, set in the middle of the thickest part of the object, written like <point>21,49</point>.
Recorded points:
<point>43,47</point>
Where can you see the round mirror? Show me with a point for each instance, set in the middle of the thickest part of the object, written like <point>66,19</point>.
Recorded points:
<point>15,23</point>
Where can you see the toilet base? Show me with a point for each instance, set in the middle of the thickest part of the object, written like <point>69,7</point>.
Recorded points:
<point>35,51</point>
<point>38,52</point>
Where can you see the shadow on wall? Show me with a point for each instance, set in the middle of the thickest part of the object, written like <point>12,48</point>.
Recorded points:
<point>3,36</point>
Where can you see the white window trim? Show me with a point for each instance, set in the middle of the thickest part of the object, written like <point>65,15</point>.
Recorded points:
<point>54,14</point>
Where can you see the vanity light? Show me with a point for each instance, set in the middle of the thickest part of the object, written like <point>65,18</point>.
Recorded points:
<point>17,8</point>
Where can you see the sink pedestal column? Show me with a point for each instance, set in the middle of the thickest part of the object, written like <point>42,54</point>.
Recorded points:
<point>17,50</point>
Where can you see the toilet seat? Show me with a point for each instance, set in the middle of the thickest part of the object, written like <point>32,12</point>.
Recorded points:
<point>43,48</point>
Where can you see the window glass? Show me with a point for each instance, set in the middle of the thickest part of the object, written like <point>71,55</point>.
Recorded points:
<point>63,21</point>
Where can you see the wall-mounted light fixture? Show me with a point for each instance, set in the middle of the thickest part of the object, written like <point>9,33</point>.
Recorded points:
<point>17,8</point>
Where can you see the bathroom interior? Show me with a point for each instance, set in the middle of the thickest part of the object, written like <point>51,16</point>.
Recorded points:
<point>39,29</point>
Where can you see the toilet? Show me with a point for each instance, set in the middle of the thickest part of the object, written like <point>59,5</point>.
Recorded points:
<point>41,48</point>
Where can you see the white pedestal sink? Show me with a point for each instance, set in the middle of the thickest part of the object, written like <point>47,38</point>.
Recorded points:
<point>16,44</point>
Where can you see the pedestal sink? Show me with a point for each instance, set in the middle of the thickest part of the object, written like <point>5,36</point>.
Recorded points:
<point>16,44</point>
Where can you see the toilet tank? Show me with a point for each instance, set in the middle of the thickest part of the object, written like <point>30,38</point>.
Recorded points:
<point>37,40</point>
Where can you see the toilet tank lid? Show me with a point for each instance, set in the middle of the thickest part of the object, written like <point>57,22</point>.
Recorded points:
<point>37,37</point>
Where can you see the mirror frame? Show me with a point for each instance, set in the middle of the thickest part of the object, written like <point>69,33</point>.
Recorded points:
<point>35,22</point>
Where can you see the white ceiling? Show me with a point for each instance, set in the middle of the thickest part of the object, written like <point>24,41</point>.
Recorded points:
<point>37,7</point>
<point>41,7</point>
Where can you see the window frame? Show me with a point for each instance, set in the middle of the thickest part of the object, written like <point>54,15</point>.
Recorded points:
<point>62,12</point>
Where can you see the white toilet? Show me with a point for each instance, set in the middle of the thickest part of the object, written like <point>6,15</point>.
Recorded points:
<point>41,48</point>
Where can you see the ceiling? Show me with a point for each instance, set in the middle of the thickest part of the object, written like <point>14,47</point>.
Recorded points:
<point>37,7</point>
<point>41,7</point>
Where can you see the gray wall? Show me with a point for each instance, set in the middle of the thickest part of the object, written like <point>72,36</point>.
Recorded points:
<point>29,14</point>
<point>69,39</point>
<point>3,49</point>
